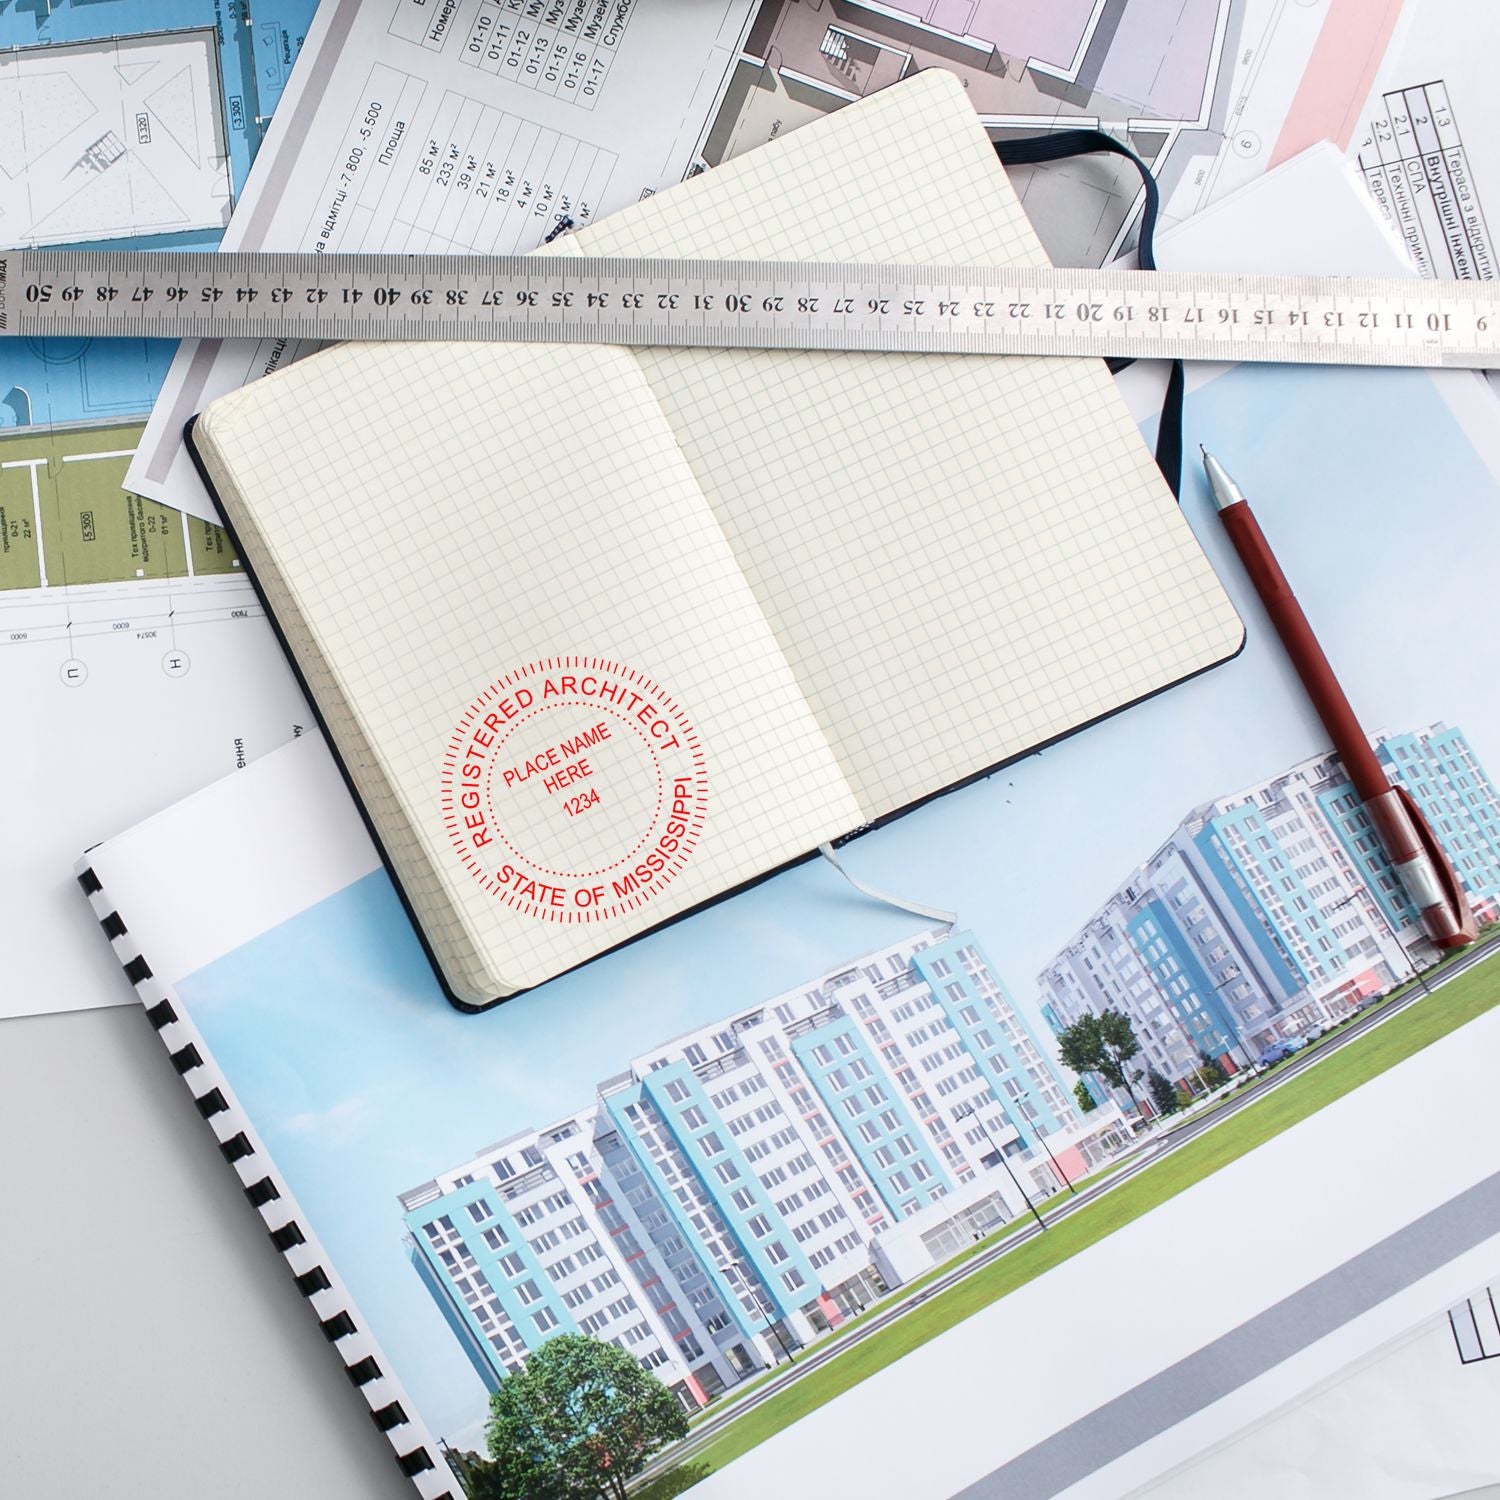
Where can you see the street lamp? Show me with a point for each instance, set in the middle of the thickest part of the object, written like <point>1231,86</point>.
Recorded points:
<point>1220,984</point>
<point>1040,1135</point>
<point>1391,932</point>
<point>968,1109</point>
<point>761,1302</point>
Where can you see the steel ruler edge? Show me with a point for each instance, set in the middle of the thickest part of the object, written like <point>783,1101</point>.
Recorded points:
<point>1035,310</point>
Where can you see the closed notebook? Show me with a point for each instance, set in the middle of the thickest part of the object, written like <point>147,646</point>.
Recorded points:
<point>600,635</point>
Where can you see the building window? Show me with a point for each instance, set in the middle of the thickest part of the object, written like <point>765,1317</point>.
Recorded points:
<point>776,1253</point>
<point>495,1239</point>
<point>479,1211</point>
<point>677,1090</point>
<point>792,1280</point>
<point>528,1292</point>
<point>545,1319</point>
<point>726,1172</point>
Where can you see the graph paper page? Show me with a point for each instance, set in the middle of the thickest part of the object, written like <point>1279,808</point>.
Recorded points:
<point>962,558</point>
<point>439,526</point>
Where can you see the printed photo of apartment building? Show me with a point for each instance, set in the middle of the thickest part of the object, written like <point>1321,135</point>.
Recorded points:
<point>1274,909</point>
<point>734,1192</point>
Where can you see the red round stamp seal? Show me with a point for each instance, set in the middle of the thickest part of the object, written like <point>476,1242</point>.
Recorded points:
<point>574,789</point>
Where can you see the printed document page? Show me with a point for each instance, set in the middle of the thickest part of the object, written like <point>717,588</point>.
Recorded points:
<point>451,126</point>
<point>135,663</point>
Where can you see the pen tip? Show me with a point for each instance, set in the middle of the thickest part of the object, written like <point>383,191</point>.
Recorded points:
<point>1203,450</point>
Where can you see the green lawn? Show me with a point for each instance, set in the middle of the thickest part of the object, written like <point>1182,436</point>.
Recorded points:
<point>1422,1023</point>
<point>1058,1200</point>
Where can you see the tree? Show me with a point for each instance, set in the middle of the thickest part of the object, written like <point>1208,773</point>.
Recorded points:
<point>579,1421</point>
<point>1211,1070</point>
<point>1101,1044</point>
<point>1163,1095</point>
<point>1086,1100</point>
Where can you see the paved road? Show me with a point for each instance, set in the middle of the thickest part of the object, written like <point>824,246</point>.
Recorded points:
<point>1162,1143</point>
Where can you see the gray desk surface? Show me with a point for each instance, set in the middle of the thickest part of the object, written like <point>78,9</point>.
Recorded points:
<point>151,1343</point>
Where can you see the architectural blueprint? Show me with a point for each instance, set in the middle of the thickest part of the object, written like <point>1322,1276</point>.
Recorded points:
<point>127,120</point>
<point>132,651</point>
<point>1427,141</point>
<point>1209,92</point>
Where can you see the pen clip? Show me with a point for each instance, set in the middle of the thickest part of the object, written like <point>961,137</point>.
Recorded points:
<point>1453,891</point>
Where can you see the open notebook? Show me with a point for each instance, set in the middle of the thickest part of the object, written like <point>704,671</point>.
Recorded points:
<point>601,635</point>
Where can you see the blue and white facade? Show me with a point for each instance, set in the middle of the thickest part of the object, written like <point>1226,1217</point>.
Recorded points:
<point>1272,909</point>
<point>723,1199</point>
<point>1438,767</point>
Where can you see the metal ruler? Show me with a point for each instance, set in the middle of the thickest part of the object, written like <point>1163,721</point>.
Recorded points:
<point>752,305</point>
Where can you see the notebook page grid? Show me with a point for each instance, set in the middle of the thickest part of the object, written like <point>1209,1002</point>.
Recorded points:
<point>423,888</point>
<point>865,495</point>
<point>421,585</point>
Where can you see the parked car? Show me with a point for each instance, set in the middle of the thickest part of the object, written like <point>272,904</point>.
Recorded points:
<point>1296,1043</point>
<point>1314,1031</point>
<point>1275,1053</point>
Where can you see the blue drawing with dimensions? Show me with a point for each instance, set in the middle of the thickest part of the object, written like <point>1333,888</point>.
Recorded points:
<point>126,124</point>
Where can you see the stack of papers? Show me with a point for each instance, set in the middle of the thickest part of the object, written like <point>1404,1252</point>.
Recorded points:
<point>1304,138</point>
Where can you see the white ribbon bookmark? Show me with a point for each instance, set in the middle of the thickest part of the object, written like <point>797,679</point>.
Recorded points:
<point>933,913</point>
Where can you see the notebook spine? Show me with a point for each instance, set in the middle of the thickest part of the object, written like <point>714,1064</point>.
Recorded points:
<point>313,1273</point>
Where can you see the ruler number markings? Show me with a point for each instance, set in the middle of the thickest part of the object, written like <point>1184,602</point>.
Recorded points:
<point>999,310</point>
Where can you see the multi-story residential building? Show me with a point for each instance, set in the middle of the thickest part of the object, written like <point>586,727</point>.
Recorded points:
<point>1273,908</point>
<point>1440,770</point>
<point>723,1199</point>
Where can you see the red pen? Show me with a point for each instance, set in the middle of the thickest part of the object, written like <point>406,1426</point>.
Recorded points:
<point>1425,871</point>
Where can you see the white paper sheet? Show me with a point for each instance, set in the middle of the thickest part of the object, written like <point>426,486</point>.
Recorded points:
<point>102,726</point>
<point>1414,1422</point>
<point>451,128</point>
